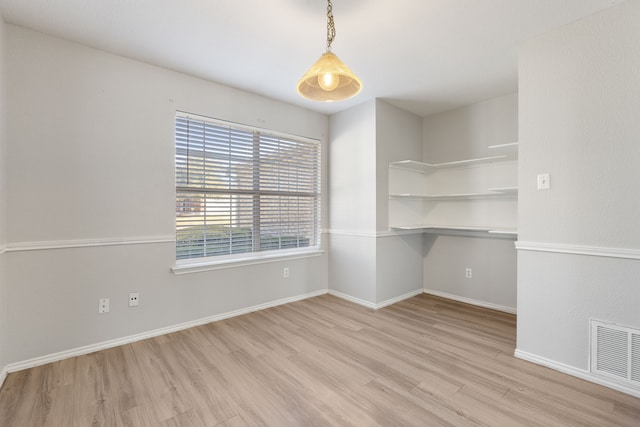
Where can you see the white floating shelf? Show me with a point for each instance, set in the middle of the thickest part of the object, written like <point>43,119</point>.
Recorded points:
<point>511,145</point>
<point>440,227</point>
<point>460,196</point>
<point>429,167</point>
<point>510,150</point>
<point>409,227</point>
<point>509,231</point>
<point>427,227</point>
<point>468,192</point>
<point>504,190</point>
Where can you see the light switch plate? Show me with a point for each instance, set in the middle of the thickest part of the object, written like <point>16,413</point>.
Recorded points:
<point>544,182</point>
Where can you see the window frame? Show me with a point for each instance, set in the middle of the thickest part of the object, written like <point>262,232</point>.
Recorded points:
<point>199,263</point>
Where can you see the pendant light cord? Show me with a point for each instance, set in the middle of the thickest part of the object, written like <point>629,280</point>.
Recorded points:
<point>331,27</point>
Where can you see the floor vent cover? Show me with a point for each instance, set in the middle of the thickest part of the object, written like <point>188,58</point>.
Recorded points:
<point>615,352</point>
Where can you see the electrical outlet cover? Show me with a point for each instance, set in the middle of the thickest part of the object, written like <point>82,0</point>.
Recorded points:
<point>134,299</point>
<point>103,305</point>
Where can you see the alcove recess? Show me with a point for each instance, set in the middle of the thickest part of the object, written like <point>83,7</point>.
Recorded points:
<point>477,196</point>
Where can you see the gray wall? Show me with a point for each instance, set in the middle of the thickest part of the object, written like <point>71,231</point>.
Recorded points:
<point>90,143</point>
<point>579,242</point>
<point>3,207</point>
<point>460,134</point>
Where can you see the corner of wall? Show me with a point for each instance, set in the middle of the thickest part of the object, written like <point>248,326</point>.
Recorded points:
<point>366,263</point>
<point>460,134</point>
<point>3,228</point>
<point>398,136</point>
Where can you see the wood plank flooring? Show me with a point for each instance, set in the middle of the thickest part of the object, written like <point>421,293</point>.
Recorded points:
<point>425,361</point>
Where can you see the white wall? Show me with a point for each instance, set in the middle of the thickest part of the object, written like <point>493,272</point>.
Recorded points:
<point>352,202</point>
<point>352,169</point>
<point>4,345</point>
<point>367,263</point>
<point>399,267</point>
<point>466,132</point>
<point>459,134</point>
<point>90,143</point>
<point>398,137</point>
<point>398,257</point>
<point>352,266</point>
<point>493,263</point>
<point>579,104</point>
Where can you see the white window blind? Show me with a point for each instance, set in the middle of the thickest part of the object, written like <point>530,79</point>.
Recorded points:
<point>242,190</point>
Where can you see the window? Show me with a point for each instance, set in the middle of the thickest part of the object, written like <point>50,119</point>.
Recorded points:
<point>241,190</point>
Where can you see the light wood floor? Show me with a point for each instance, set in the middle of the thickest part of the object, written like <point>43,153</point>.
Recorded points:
<point>319,362</point>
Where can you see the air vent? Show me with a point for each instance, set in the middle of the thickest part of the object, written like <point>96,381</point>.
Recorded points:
<point>615,352</point>
<point>635,357</point>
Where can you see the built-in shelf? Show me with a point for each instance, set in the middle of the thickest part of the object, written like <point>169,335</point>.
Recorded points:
<point>507,152</point>
<point>509,146</point>
<point>504,190</point>
<point>465,194</point>
<point>430,167</point>
<point>510,150</point>
<point>440,227</point>
<point>460,196</point>
<point>509,231</point>
<point>490,230</point>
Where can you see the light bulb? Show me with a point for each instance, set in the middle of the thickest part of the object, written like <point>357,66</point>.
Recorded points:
<point>328,81</point>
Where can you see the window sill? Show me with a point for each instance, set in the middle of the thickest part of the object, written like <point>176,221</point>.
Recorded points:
<point>209,265</point>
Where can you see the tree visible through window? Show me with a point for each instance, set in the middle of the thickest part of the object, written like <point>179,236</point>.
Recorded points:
<point>242,190</point>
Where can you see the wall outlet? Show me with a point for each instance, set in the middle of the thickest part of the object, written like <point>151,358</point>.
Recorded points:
<point>468,273</point>
<point>103,305</point>
<point>134,299</point>
<point>285,272</point>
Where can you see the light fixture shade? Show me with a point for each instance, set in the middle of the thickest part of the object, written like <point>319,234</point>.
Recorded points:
<point>330,67</point>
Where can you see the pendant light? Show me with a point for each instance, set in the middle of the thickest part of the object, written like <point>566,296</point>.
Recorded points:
<point>329,79</point>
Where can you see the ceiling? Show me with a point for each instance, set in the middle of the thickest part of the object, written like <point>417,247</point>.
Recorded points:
<point>424,56</point>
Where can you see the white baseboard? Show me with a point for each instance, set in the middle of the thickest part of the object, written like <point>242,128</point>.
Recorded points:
<point>354,300</point>
<point>571,370</point>
<point>43,360</point>
<point>398,299</point>
<point>478,303</point>
<point>373,305</point>
<point>3,375</point>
